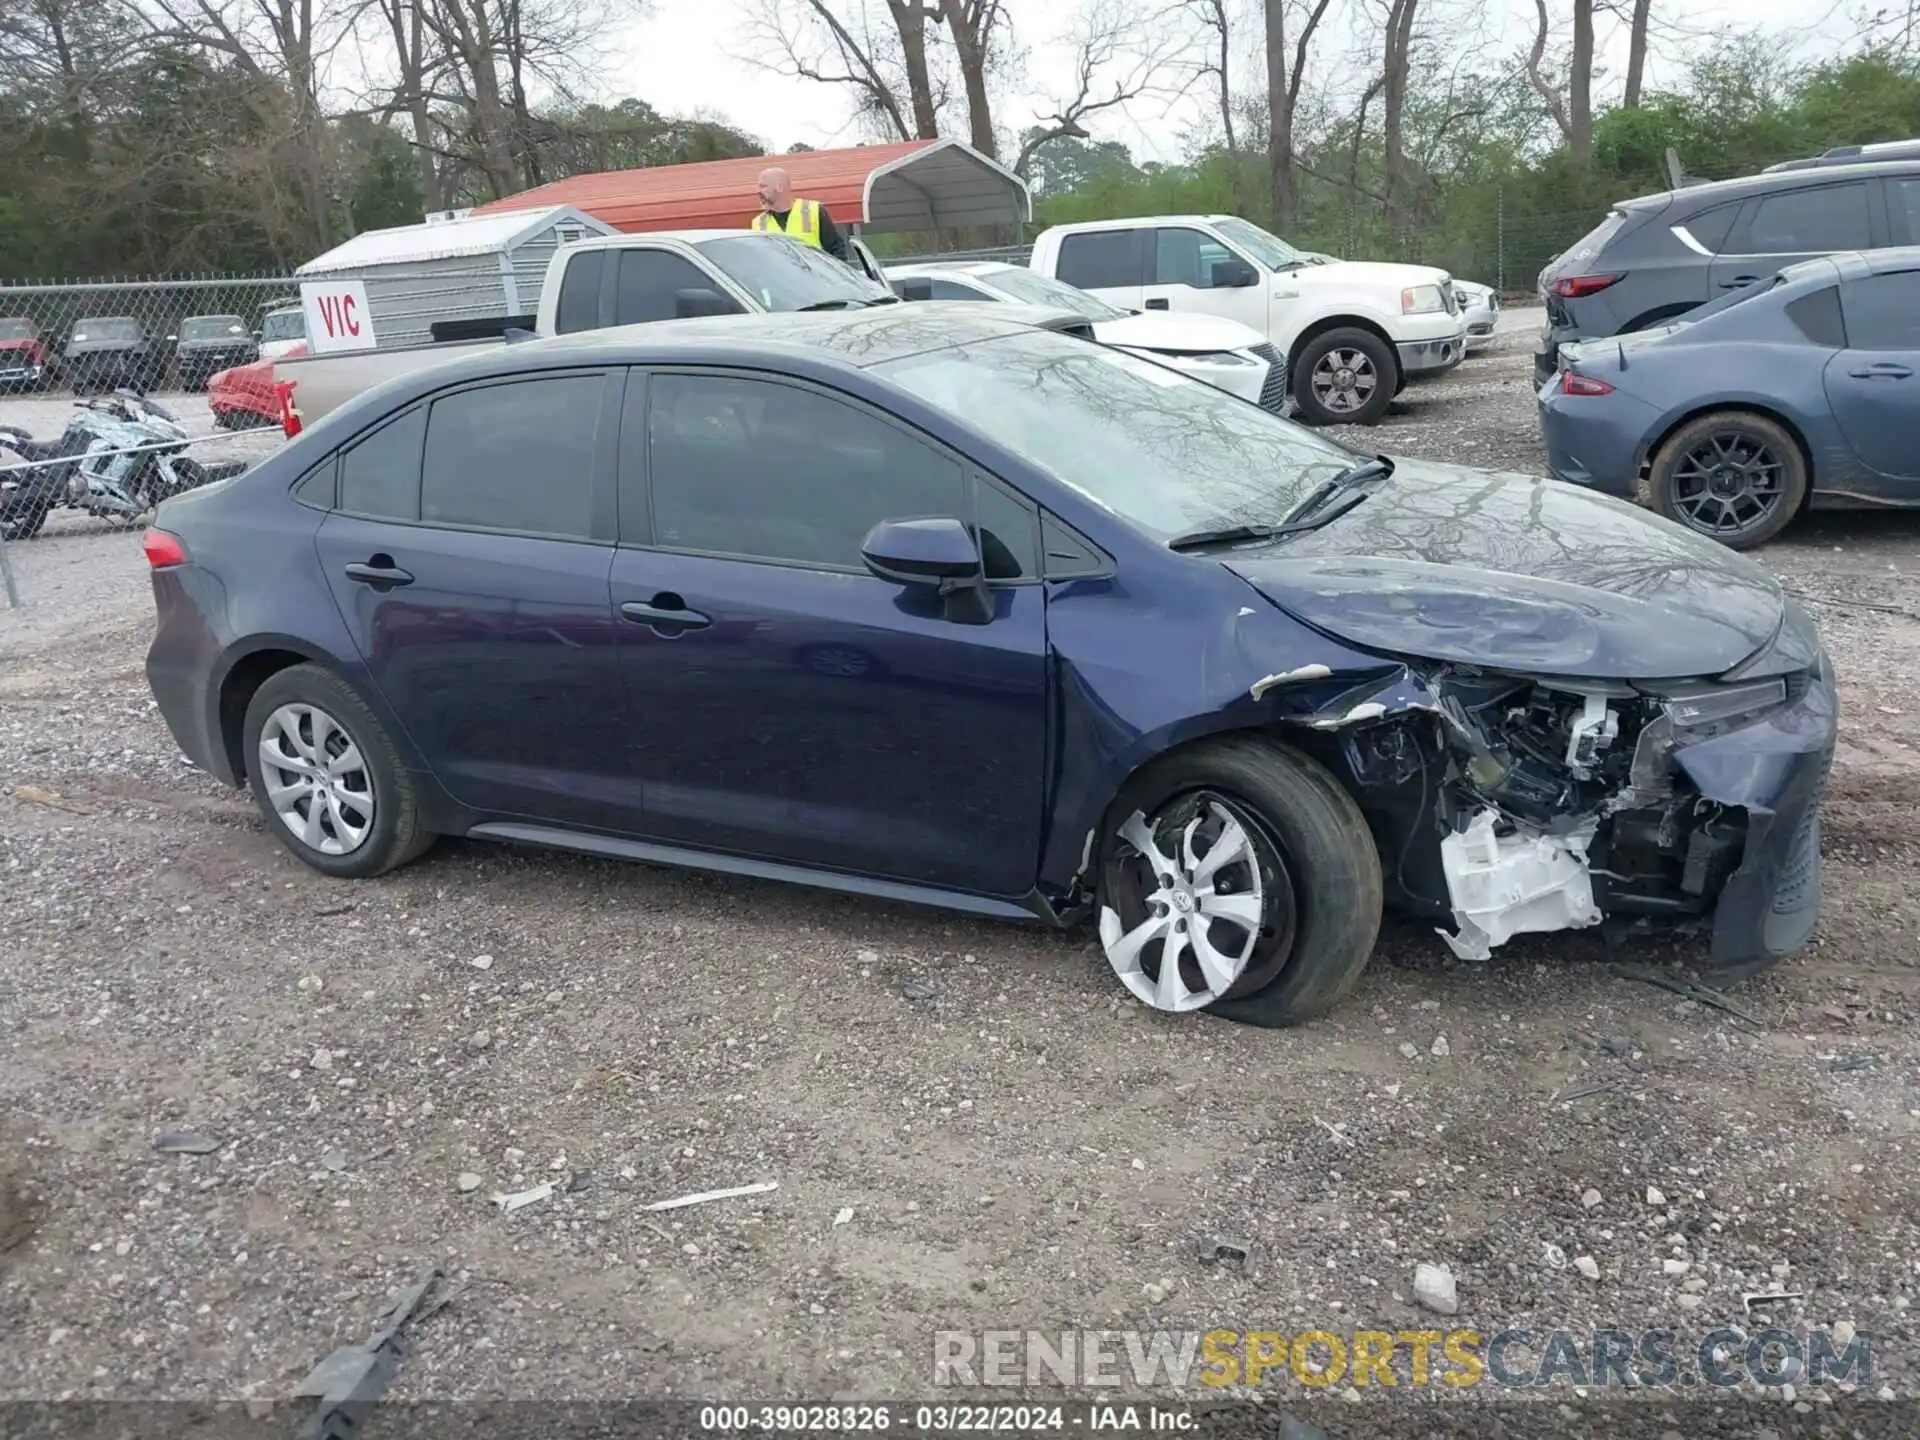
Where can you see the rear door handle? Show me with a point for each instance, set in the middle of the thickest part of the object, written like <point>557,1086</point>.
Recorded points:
<point>379,572</point>
<point>1158,305</point>
<point>666,614</point>
<point>1882,370</point>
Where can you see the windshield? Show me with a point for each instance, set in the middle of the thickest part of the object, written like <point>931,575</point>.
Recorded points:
<point>284,325</point>
<point>213,327</point>
<point>786,275</point>
<point>107,330</point>
<point>1168,453</point>
<point>19,330</point>
<point>1270,250</point>
<point>1029,287</point>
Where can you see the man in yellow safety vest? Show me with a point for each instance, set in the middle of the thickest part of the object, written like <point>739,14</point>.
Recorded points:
<point>807,221</point>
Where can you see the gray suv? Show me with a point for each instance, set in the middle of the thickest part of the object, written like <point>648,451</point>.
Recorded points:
<point>1659,256</point>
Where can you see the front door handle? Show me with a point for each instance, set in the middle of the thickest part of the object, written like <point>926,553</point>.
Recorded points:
<point>1882,370</point>
<point>1158,305</point>
<point>380,572</point>
<point>666,614</point>
<point>1739,282</point>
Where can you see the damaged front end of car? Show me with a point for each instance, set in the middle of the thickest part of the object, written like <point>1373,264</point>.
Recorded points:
<point>1504,802</point>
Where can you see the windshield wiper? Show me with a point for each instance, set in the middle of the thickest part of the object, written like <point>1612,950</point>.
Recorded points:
<point>850,304</point>
<point>1310,514</point>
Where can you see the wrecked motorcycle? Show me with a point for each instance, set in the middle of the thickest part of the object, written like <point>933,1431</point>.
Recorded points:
<point>118,458</point>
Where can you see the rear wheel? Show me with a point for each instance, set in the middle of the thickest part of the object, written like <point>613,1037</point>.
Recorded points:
<point>1731,476</point>
<point>1238,878</point>
<point>21,516</point>
<point>1345,377</point>
<point>327,778</point>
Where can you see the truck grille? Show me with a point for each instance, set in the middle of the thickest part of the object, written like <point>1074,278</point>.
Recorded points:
<point>1273,390</point>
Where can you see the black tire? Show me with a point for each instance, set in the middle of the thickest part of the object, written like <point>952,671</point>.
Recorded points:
<point>1732,476</point>
<point>1321,889</point>
<point>1372,364</point>
<point>396,835</point>
<point>23,517</point>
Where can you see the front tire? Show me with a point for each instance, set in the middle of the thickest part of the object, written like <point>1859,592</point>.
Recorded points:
<point>1345,377</point>
<point>1237,877</point>
<point>1732,476</point>
<point>327,778</point>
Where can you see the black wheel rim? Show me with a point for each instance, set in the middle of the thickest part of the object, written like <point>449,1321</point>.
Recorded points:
<point>1185,831</point>
<point>1730,484</point>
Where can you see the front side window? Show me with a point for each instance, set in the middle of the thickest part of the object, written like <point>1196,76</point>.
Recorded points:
<point>1186,257</point>
<point>1883,311</point>
<point>771,471</point>
<point>648,285</point>
<point>516,457</point>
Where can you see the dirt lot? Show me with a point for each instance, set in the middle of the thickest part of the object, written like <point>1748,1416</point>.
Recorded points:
<point>1019,1146</point>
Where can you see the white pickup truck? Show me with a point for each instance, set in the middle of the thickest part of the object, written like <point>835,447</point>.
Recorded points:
<point>608,280</point>
<point>1352,332</point>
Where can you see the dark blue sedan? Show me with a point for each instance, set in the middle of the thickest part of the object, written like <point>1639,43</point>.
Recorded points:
<point>1799,391</point>
<point>928,604</point>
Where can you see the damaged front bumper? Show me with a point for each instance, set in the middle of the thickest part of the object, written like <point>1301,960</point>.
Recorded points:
<point>1504,804</point>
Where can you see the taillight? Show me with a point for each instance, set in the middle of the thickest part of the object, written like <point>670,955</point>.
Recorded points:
<point>289,413</point>
<point>1572,287</point>
<point>163,549</point>
<point>1573,383</point>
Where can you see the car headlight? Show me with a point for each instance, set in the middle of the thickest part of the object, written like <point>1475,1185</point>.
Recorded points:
<point>1422,300</point>
<point>1708,707</point>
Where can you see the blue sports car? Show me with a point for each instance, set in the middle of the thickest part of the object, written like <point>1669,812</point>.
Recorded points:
<point>1797,391</point>
<point>927,603</point>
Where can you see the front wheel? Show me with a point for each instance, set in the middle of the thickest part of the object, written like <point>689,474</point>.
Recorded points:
<point>1238,878</point>
<point>327,778</point>
<point>1732,476</point>
<point>1345,377</point>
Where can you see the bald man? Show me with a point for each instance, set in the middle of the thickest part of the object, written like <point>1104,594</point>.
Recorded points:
<point>807,221</point>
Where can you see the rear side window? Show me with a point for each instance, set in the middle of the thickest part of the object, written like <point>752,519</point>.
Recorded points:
<point>1593,242</point>
<point>1883,311</point>
<point>1817,316</point>
<point>648,283</point>
<point>380,476</point>
<point>1710,227</point>
<point>1813,221</point>
<point>579,307</point>
<point>1103,259</point>
<point>517,457</point>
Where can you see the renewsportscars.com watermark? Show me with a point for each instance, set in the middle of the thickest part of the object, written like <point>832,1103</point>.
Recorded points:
<point>1451,1359</point>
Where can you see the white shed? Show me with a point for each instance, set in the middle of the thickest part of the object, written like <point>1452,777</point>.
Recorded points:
<point>476,267</point>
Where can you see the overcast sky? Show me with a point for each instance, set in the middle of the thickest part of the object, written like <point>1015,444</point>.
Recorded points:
<point>681,59</point>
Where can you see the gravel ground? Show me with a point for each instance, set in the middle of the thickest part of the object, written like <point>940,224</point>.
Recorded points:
<point>1017,1144</point>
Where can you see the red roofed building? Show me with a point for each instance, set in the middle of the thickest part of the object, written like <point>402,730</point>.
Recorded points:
<point>909,185</point>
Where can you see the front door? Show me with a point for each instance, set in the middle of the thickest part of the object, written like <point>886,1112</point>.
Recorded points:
<point>1186,272</point>
<point>1874,384</point>
<point>469,554</point>
<point>786,704</point>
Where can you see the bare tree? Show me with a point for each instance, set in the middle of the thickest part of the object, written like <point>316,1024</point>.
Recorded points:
<point>1543,84</point>
<point>1215,60</point>
<point>1120,55</point>
<point>1580,84</point>
<point>975,28</point>
<point>1286,72</point>
<point>1396,76</point>
<point>882,53</point>
<point>1637,50</point>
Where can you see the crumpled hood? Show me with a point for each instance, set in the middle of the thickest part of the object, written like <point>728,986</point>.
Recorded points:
<point>1153,330</point>
<point>1518,573</point>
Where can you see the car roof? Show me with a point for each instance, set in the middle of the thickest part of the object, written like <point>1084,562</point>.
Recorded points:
<point>1851,155</point>
<point>1136,222</point>
<point>981,268</point>
<point>615,242</point>
<point>1714,192</point>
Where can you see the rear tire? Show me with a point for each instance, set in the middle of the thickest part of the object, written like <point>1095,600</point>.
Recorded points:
<point>314,794</point>
<point>1730,475</point>
<point>1303,862</point>
<point>1345,377</point>
<point>23,517</point>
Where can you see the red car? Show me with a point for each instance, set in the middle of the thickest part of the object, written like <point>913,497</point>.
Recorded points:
<point>23,355</point>
<point>243,398</point>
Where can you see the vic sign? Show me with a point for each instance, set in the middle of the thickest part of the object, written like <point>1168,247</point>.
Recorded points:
<point>337,315</point>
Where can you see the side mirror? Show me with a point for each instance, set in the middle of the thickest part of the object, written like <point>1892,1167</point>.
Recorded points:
<point>916,288</point>
<point>689,303</point>
<point>937,553</point>
<point>1234,275</point>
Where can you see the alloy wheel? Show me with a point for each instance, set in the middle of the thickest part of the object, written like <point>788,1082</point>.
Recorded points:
<point>1344,380</point>
<point>1200,894</point>
<point>316,779</point>
<point>1729,484</point>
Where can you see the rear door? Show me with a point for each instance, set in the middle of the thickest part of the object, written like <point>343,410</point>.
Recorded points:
<point>1185,268</point>
<point>1109,263</point>
<point>468,549</point>
<point>1874,384</point>
<point>1776,230</point>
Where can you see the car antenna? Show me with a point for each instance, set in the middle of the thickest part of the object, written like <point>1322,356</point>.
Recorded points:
<point>1621,345</point>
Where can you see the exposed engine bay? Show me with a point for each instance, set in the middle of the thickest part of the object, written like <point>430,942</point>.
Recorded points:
<point>1514,804</point>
